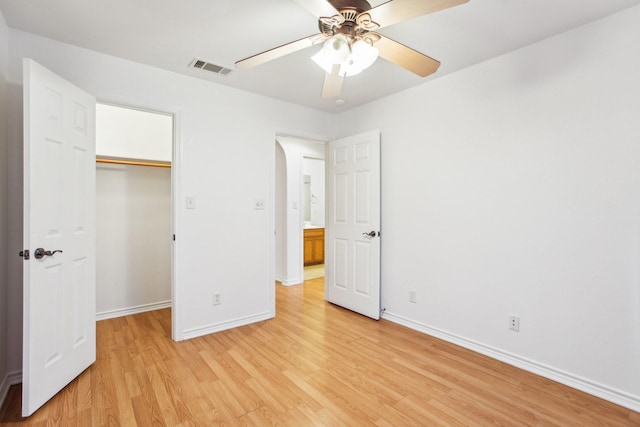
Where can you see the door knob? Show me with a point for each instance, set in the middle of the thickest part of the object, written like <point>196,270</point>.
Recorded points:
<point>370,234</point>
<point>41,253</point>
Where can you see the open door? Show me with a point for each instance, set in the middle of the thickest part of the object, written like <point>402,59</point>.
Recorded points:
<point>59,338</point>
<point>352,276</point>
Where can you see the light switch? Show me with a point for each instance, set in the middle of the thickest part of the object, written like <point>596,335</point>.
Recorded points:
<point>294,204</point>
<point>191,202</point>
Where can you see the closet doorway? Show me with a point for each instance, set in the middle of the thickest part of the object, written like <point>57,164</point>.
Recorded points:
<point>134,151</point>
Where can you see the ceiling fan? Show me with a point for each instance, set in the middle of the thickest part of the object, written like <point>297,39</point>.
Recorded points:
<point>350,43</point>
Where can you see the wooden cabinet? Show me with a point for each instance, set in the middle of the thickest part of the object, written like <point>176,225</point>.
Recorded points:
<point>313,246</point>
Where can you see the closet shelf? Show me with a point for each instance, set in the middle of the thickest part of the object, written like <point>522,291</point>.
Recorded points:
<point>156,164</point>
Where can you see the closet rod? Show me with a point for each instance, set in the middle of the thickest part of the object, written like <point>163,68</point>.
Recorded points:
<point>134,163</point>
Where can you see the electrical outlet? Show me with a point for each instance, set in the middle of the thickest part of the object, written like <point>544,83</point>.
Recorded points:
<point>216,299</point>
<point>514,323</point>
<point>412,296</point>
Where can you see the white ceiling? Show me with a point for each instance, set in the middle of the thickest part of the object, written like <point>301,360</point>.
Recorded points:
<point>169,34</point>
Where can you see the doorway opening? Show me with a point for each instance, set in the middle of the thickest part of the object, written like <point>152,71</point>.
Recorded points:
<point>133,210</point>
<point>299,208</point>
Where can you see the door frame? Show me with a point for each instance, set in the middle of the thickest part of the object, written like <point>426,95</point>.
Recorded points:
<point>277,133</point>
<point>176,162</point>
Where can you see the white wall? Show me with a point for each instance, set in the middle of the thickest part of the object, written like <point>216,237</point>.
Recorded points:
<point>513,187</point>
<point>133,234</point>
<point>225,160</point>
<point>4,210</point>
<point>4,47</point>
<point>133,134</point>
<point>15,237</point>
<point>295,150</point>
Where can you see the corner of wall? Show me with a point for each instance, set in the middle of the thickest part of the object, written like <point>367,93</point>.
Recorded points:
<point>10,219</point>
<point>4,47</point>
<point>4,225</point>
<point>12,378</point>
<point>4,389</point>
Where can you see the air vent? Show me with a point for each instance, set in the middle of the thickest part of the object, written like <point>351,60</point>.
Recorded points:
<point>208,66</point>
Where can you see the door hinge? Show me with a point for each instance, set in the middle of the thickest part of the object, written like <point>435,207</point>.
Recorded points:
<point>24,254</point>
<point>174,237</point>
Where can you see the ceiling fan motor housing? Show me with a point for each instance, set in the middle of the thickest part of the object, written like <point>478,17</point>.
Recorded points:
<point>358,5</point>
<point>345,22</point>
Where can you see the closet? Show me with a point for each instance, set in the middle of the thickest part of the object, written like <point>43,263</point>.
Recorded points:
<point>133,210</point>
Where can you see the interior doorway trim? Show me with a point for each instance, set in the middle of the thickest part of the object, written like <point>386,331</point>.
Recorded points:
<point>298,262</point>
<point>176,219</point>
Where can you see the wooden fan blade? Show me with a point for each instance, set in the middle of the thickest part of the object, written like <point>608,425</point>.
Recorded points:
<point>332,85</point>
<point>279,51</point>
<point>319,8</point>
<point>396,11</point>
<point>406,57</point>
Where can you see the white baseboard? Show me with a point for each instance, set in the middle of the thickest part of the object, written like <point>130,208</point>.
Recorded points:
<point>12,378</point>
<point>599,390</point>
<point>4,389</point>
<point>218,327</point>
<point>132,310</point>
<point>292,282</point>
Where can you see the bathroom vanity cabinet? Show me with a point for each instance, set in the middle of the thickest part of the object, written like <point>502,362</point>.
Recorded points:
<point>313,246</point>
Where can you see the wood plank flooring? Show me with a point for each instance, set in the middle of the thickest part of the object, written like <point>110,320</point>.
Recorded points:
<point>315,364</point>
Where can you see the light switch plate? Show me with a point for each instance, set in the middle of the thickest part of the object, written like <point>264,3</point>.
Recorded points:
<point>191,202</point>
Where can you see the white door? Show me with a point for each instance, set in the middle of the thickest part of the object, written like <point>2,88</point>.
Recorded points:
<point>59,338</point>
<point>352,276</point>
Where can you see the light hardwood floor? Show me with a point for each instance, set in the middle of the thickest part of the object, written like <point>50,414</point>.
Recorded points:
<point>313,271</point>
<point>314,364</point>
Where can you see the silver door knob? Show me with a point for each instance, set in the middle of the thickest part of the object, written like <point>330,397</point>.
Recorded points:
<point>370,234</point>
<point>41,253</point>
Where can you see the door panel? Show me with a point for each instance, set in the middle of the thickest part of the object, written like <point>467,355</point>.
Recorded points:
<point>362,198</point>
<point>59,214</point>
<point>340,198</point>
<point>353,211</point>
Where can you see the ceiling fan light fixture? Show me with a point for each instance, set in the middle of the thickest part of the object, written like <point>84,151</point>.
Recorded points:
<point>352,56</point>
<point>335,50</point>
<point>322,61</point>
<point>350,68</point>
<point>363,54</point>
